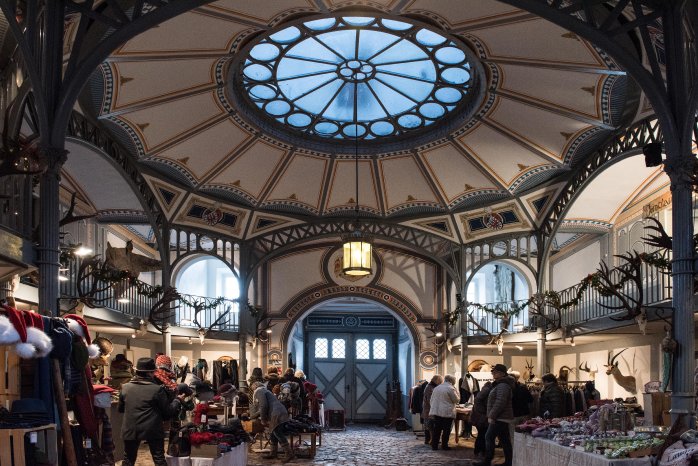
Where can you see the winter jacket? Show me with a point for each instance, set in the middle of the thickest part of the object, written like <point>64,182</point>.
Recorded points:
<point>268,408</point>
<point>426,402</point>
<point>479,412</point>
<point>521,398</point>
<point>120,372</point>
<point>443,401</point>
<point>552,400</point>
<point>499,401</point>
<point>145,405</point>
<point>464,391</point>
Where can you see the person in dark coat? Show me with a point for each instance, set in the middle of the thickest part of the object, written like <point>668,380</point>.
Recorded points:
<point>426,406</point>
<point>551,398</point>
<point>499,415</point>
<point>591,393</point>
<point>521,398</point>
<point>465,394</point>
<point>478,417</point>
<point>145,405</point>
<point>273,415</point>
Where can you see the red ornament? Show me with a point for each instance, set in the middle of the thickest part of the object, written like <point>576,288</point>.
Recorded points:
<point>212,216</point>
<point>494,220</point>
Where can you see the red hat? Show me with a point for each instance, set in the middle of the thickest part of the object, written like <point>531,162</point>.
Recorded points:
<point>13,331</point>
<point>309,387</point>
<point>97,389</point>
<point>78,326</point>
<point>35,333</point>
<point>163,361</point>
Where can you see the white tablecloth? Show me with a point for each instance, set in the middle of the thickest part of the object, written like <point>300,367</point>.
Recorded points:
<point>235,457</point>
<point>540,452</point>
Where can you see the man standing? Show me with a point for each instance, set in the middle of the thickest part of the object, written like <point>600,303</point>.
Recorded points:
<point>273,415</point>
<point>499,414</point>
<point>443,411</point>
<point>145,405</point>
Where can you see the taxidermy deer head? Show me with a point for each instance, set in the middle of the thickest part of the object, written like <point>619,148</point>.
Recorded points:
<point>627,382</point>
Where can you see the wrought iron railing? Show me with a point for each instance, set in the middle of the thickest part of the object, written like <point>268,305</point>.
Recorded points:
<point>656,288</point>
<point>136,298</point>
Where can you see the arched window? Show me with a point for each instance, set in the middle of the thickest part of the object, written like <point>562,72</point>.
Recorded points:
<point>497,282</point>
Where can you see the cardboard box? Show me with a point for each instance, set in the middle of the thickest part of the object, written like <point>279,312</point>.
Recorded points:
<point>205,451</point>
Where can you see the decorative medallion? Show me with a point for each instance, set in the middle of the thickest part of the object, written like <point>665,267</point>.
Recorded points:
<point>212,215</point>
<point>493,220</point>
<point>351,321</point>
<point>428,359</point>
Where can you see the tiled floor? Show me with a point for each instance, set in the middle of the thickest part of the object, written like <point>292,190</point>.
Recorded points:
<point>366,445</point>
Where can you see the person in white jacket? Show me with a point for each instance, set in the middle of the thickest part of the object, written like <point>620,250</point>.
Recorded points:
<point>443,411</point>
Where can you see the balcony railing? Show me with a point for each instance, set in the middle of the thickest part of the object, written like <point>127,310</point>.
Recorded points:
<point>656,288</point>
<point>136,300</point>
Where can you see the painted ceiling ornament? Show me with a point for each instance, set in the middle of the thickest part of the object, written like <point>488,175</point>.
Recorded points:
<point>493,220</point>
<point>338,272</point>
<point>212,215</point>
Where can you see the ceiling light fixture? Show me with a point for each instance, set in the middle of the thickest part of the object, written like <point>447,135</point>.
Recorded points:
<point>356,245</point>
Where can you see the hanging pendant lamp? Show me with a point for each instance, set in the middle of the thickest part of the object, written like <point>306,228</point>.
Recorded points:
<point>358,255</point>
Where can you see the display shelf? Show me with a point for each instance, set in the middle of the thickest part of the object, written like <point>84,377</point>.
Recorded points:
<point>12,445</point>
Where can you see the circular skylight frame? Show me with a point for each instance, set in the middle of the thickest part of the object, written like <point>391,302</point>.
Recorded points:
<point>435,106</point>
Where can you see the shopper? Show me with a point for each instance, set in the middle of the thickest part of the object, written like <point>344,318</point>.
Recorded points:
<point>552,399</point>
<point>121,371</point>
<point>273,415</point>
<point>442,412</point>
<point>426,406</point>
<point>466,393</point>
<point>591,394</point>
<point>145,405</point>
<point>478,417</point>
<point>499,415</point>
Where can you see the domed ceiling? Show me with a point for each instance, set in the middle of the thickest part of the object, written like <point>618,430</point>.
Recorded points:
<point>260,109</point>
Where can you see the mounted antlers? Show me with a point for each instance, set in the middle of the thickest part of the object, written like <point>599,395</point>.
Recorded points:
<point>563,374</point>
<point>163,310</point>
<point>592,373</point>
<point>199,306</point>
<point>608,287</point>
<point>528,373</point>
<point>627,382</point>
<point>661,240</point>
<point>546,311</point>
<point>263,324</point>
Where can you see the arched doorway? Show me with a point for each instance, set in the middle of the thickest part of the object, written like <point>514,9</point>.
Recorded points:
<point>355,350</point>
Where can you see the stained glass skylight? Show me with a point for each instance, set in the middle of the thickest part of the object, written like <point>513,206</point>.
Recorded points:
<point>356,76</point>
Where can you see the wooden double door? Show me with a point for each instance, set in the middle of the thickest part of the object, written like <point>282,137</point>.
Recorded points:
<point>351,370</point>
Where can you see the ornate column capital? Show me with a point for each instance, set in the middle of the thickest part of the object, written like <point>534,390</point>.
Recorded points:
<point>52,158</point>
<point>682,171</point>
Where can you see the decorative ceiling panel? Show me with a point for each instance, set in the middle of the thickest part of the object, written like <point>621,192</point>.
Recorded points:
<point>263,223</point>
<point>455,175</point>
<point>536,41</point>
<point>441,225</point>
<point>199,212</point>
<point>263,11</point>
<point>249,172</point>
<point>503,157</point>
<point>140,82</point>
<point>158,125</point>
<point>538,203</point>
<point>169,195</point>
<point>548,132</point>
<point>581,92</point>
<point>189,33</point>
<point>463,12</point>
<point>495,220</point>
<point>300,183</point>
<point>342,194</point>
<point>220,140</point>
<point>405,185</point>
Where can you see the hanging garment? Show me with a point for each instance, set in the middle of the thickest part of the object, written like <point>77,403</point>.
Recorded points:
<point>201,369</point>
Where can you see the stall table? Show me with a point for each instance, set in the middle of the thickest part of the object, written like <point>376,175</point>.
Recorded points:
<point>235,457</point>
<point>462,415</point>
<point>542,452</point>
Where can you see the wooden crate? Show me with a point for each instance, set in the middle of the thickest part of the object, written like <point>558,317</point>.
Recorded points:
<point>12,452</point>
<point>9,377</point>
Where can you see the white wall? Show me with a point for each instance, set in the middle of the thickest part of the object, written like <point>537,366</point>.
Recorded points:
<point>570,270</point>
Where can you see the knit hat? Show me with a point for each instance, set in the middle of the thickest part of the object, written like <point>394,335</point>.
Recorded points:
<point>163,362</point>
<point>184,389</point>
<point>309,387</point>
<point>500,368</point>
<point>79,327</point>
<point>13,331</point>
<point>300,374</point>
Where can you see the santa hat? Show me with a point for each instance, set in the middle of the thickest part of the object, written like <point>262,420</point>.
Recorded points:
<point>78,326</point>
<point>35,334</point>
<point>13,331</point>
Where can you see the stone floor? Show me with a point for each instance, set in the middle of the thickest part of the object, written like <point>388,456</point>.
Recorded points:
<point>367,445</point>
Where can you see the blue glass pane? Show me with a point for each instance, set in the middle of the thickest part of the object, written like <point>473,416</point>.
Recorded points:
<point>294,88</point>
<point>342,42</point>
<point>448,95</point>
<point>264,52</point>
<point>354,130</point>
<point>382,128</point>
<point>455,75</point>
<point>373,42</point>
<point>293,67</point>
<point>415,90</point>
<point>368,107</point>
<point>450,55</point>
<point>409,121</point>
<point>358,20</point>
<point>326,128</point>
<point>432,110</point>
<point>395,102</point>
<point>262,91</point>
<point>311,48</point>
<point>286,36</point>
<point>342,107</point>
<point>399,52</point>
<point>277,107</point>
<point>299,120</point>
<point>320,24</point>
<point>423,69</point>
<point>316,101</point>
<point>258,72</point>
<point>396,25</point>
<point>428,38</point>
